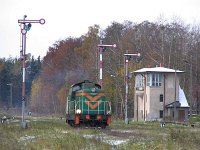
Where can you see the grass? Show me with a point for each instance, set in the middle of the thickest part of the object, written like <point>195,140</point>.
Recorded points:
<point>173,140</point>
<point>54,134</point>
<point>152,137</point>
<point>194,119</point>
<point>46,134</point>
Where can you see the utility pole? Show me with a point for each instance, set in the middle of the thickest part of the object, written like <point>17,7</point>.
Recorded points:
<point>10,84</point>
<point>25,26</point>
<point>190,86</point>
<point>101,47</point>
<point>127,57</point>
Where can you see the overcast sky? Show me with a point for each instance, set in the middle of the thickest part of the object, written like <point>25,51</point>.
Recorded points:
<point>66,18</point>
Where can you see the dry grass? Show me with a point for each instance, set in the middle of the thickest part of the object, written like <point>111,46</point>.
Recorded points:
<point>152,137</point>
<point>51,134</point>
<point>47,134</point>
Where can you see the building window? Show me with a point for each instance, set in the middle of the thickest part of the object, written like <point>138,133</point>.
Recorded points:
<point>139,81</point>
<point>154,79</point>
<point>161,97</point>
<point>161,113</point>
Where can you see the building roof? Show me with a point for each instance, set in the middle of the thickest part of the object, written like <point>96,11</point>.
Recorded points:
<point>157,69</point>
<point>182,102</point>
<point>182,98</point>
<point>171,105</point>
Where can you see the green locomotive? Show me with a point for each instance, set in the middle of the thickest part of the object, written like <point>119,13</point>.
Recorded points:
<point>87,106</point>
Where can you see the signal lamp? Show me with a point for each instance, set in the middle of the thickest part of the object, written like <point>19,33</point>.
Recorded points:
<point>28,27</point>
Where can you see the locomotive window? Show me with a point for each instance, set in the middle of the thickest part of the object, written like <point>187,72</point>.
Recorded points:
<point>70,91</point>
<point>97,86</point>
<point>76,88</point>
<point>88,86</point>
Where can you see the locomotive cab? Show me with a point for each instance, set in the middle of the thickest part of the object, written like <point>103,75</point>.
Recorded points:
<point>87,106</point>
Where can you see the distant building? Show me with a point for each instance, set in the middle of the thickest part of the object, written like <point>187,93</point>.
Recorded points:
<point>157,91</point>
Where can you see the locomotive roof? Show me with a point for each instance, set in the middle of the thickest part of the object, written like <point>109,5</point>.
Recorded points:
<point>86,81</point>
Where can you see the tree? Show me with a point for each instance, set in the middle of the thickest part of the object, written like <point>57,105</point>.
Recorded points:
<point>75,59</point>
<point>57,66</point>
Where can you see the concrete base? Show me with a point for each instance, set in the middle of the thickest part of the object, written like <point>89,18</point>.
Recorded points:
<point>24,125</point>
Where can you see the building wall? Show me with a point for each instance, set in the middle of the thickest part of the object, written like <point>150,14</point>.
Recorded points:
<point>139,107</point>
<point>155,105</point>
<point>182,114</point>
<point>170,88</point>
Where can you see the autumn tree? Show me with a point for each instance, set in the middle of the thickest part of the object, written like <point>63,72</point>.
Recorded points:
<point>73,60</point>
<point>88,54</point>
<point>59,70</point>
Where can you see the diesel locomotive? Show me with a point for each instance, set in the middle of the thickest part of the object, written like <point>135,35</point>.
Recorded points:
<point>87,106</point>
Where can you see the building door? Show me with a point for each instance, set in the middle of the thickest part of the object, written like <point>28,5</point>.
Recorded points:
<point>181,115</point>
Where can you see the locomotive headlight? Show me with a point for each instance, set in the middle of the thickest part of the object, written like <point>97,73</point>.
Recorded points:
<point>93,90</point>
<point>78,111</point>
<point>108,112</point>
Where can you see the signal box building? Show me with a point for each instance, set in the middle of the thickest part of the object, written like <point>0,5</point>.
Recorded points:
<point>157,91</point>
